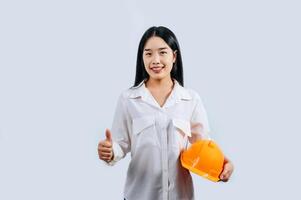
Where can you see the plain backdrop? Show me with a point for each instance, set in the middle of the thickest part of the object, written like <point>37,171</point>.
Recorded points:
<point>64,63</point>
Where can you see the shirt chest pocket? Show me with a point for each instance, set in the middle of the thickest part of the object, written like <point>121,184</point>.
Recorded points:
<point>182,130</point>
<point>144,133</point>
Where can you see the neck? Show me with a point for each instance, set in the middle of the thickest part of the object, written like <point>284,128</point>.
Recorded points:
<point>160,84</point>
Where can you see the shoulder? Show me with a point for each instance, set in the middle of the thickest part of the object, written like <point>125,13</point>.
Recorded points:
<point>195,96</point>
<point>128,93</point>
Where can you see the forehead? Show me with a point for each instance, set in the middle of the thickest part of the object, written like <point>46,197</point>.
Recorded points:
<point>155,43</point>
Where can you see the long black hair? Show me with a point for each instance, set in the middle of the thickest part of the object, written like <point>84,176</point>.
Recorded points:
<point>169,37</point>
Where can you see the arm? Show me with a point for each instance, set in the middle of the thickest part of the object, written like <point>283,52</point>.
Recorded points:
<point>199,122</point>
<point>200,130</point>
<point>120,144</point>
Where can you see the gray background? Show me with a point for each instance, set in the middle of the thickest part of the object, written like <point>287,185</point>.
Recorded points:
<point>64,63</point>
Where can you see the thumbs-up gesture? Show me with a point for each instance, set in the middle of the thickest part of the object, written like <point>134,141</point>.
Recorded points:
<point>105,150</point>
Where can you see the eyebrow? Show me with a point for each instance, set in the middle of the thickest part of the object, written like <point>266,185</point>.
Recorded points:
<point>162,48</point>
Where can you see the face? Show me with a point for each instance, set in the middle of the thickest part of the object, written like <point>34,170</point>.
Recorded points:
<point>158,58</point>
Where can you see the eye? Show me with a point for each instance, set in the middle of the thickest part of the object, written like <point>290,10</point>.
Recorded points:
<point>163,52</point>
<point>147,54</point>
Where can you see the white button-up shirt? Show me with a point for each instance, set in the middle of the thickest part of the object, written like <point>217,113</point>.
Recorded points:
<point>155,136</point>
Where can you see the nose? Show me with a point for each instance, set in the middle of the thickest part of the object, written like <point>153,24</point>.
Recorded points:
<point>156,59</point>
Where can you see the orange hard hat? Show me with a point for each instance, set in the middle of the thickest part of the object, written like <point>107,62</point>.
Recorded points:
<point>204,158</point>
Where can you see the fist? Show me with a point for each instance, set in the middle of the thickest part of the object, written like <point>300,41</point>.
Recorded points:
<point>227,171</point>
<point>105,150</point>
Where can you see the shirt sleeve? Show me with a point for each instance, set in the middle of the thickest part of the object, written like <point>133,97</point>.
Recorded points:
<point>199,122</point>
<point>120,131</point>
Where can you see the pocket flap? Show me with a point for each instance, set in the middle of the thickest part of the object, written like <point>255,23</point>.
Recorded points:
<point>183,125</point>
<point>141,123</point>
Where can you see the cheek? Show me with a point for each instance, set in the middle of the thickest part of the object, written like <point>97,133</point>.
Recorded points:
<point>146,61</point>
<point>168,69</point>
<point>168,63</point>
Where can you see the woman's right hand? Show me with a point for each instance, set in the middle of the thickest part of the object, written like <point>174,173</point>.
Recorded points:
<point>105,150</point>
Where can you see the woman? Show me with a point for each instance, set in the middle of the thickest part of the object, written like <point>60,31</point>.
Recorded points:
<point>155,120</point>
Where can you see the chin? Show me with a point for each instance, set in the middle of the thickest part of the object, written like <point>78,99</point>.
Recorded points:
<point>158,76</point>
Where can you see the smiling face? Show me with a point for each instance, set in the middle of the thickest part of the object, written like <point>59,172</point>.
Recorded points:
<point>158,58</point>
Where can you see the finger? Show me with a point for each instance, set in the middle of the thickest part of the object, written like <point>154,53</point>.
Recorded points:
<point>227,171</point>
<point>102,149</point>
<point>106,154</point>
<point>225,180</point>
<point>108,135</point>
<point>106,150</point>
<point>224,172</point>
<point>105,158</point>
<point>229,174</point>
<point>107,144</point>
<point>104,144</point>
<point>225,177</point>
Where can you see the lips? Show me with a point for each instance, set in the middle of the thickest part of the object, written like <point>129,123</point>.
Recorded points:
<point>157,69</point>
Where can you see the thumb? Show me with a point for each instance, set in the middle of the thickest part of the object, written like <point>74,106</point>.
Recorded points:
<point>108,135</point>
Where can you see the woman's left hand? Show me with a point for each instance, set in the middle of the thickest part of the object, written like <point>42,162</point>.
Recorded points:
<point>227,171</point>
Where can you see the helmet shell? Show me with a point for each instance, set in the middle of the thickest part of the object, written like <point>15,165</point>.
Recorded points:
<point>204,158</point>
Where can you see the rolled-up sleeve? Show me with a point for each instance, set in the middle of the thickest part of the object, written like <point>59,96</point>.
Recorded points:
<point>120,130</point>
<point>199,122</point>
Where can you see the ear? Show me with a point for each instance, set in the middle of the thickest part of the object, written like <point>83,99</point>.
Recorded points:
<point>174,56</point>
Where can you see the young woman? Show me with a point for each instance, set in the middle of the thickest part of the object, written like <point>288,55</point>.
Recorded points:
<point>155,120</point>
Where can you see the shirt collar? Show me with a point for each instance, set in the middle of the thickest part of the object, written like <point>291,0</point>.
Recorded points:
<point>140,91</point>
